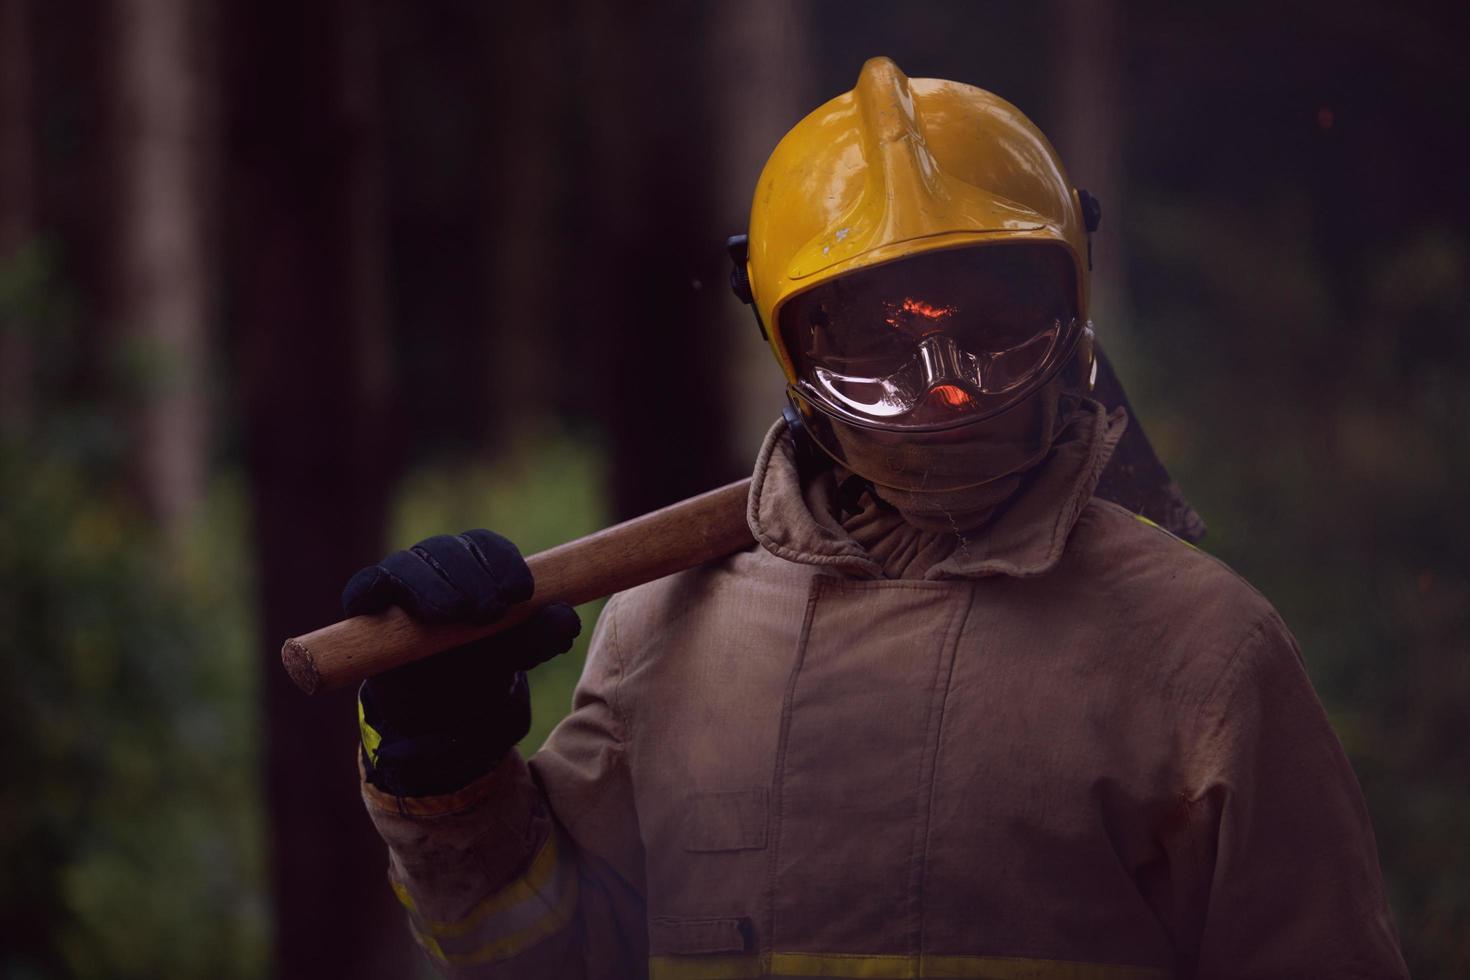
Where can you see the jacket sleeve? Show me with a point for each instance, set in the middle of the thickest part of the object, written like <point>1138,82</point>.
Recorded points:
<point>534,870</point>
<point>1282,869</point>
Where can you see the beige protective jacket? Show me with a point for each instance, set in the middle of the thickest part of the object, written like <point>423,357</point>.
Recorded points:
<point>1071,746</point>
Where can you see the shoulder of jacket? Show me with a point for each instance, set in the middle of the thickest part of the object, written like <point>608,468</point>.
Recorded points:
<point>636,615</point>
<point>1223,629</point>
<point>1173,587</point>
<point>1124,540</point>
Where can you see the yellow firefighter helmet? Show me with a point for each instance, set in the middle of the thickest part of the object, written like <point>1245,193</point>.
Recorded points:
<point>897,167</point>
<point>872,265</point>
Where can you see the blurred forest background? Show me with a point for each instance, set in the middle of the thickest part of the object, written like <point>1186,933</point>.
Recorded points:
<point>286,285</point>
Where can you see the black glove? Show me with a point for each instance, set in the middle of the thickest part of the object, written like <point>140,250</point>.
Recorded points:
<point>434,725</point>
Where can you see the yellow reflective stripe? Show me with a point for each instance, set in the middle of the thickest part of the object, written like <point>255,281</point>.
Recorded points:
<point>530,887</point>
<point>851,966</point>
<point>1018,968</point>
<point>846,965</point>
<point>515,943</point>
<point>370,737</point>
<point>404,897</point>
<point>529,909</point>
<point>1153,524</point>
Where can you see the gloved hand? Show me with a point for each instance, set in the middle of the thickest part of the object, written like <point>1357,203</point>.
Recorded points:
<point>434,725</point>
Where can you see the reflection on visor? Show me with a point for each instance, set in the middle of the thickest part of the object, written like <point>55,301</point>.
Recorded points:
<point>936,337</point>
<point>938,365</point>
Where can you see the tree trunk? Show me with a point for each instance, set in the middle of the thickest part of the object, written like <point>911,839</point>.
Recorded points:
<point>17,197</point>
<point>760,59</point>
<point>1089,58</point>
<point>650,268</point>
<point>307,275</point>
<point>521,177</point>
<point>157,271</point>
<point>478,127</point>
<point>435,73</point>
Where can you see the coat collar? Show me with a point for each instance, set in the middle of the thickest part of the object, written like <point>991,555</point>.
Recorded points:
<point>1025,538</point>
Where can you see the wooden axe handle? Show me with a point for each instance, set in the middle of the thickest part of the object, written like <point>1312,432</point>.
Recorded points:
<point>677,537</point>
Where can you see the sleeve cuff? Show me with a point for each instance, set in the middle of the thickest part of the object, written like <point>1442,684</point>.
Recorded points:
<point>505,773</point>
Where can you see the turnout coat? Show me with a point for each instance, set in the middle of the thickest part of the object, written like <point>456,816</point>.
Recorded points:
<point>1065,746</point>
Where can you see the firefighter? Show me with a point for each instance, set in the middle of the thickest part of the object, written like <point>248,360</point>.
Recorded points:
<point>953,716</point>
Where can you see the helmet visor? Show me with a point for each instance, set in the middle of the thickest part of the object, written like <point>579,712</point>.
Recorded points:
<point>935,340</point>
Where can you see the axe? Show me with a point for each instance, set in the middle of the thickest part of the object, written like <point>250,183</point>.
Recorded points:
<point>669,540</point>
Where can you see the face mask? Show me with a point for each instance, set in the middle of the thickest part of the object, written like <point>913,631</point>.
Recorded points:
<point>957,458</point>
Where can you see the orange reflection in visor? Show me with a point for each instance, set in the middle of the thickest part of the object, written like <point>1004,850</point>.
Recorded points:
<point>951,395</point>
<point>916,307</point>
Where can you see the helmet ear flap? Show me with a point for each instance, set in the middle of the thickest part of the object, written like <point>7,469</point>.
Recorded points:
<point>1086,357</point>
<point>738,248</point>
<point>1091,209</point>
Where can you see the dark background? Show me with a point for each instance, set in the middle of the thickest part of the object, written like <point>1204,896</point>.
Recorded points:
<point>284,285</point>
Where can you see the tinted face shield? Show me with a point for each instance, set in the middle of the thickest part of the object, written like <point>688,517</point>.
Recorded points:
<point>896,364</point>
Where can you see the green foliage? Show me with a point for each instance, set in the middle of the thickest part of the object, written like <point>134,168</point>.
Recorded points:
<point>130,823</point>
<point>545,491</point>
